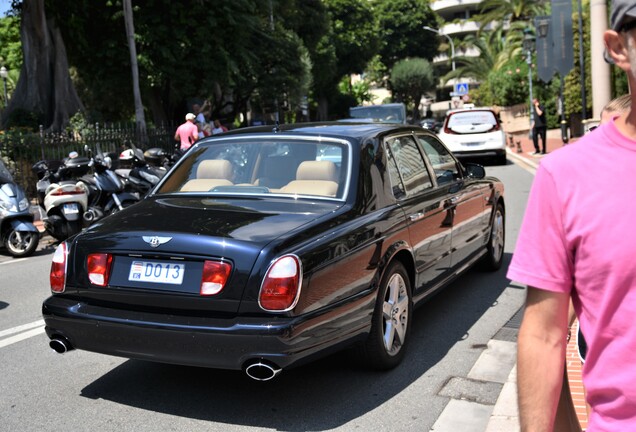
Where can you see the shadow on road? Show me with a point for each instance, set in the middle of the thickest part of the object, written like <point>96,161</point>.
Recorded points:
<point>322,395</point>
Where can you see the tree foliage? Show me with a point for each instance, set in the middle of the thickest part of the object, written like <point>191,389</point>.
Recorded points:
<point>400,27</point>
<point>410,79</point>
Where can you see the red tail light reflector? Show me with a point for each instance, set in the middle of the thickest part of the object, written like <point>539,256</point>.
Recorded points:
<point>215,276</point>
<point>57,277</point>
<point>62,191</point>
<point>281,286</point>
<point>98,266</point>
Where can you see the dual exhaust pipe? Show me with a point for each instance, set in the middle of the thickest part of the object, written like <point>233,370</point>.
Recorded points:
<point>258,370</point>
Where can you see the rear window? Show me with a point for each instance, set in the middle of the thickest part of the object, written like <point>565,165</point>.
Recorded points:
<point>261,166</point>
<point>469,122</point>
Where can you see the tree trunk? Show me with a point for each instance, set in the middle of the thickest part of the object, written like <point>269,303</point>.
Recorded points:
<point>44,86</point>
<point>140,119</point>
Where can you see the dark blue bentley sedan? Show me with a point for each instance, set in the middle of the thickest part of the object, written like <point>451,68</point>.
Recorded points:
<point>263,248</point>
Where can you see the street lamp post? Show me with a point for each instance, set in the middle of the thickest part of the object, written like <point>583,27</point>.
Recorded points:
<point>4,73</point>
<point>528,46</point>
<point>449,40</point>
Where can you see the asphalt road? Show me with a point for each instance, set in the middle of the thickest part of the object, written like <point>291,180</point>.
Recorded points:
<point>82,391</point>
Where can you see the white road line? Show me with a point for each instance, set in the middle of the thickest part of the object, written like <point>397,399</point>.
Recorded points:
<point>24,327</point>
<point>21,337</point>
<point>14,260</point>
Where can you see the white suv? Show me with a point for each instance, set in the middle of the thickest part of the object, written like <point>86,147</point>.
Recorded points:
<point>474,132</point>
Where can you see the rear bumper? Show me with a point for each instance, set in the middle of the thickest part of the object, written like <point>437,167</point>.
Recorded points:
<point>223,343</point>
<point>480,153</point>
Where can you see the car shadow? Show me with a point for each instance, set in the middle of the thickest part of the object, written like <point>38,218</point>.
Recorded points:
<point>322,395</point>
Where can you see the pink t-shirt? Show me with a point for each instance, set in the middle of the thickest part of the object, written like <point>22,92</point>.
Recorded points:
<point>188,134</point>
<point>579,236</point>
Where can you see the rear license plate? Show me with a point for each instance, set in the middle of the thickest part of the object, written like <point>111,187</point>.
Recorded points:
<point>472,144</point>
<point>71,208</point>
<point>156,272</point>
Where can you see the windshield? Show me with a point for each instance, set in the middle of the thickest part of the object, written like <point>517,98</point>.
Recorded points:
<point>285,166</point>
<point>477,121</point>
<point>381,113</point>
<point>5,175</point>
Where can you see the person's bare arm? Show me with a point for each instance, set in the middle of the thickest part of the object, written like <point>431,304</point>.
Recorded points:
<point>540,358</point>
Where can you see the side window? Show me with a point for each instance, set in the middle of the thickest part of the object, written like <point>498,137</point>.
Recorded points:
<point>411,167</point>
<point>443,163</point>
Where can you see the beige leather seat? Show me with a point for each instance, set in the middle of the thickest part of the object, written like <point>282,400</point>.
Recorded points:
<point>314,178</point>
<point>277,171</point>
<point>210,173</point>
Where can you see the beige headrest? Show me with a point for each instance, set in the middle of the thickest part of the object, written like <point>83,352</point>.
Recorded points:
<point>317,170</point>
<point>215,169</point>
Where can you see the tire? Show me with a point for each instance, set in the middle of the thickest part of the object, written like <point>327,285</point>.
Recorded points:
<point>22,243</point>
<point>496,241</point>
<point>386,344</point>
<point>502,160</point>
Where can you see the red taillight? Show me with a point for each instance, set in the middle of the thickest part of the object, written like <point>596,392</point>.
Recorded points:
<point>61,191</point>
<point>98,266</point>
<point>448,130</point>
<point>281,285</point>
<point>215,276</point>
<point>57,277</point>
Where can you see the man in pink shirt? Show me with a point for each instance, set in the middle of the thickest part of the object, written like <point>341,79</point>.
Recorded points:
<point>187,133</point>
<point>578,239</point>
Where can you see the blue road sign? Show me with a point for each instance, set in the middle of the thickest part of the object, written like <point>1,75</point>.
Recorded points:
<point>461,89</point>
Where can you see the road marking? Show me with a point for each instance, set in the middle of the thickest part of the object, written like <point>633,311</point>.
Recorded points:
<point>21,328</point>
<point>21,333</point>
<point>14,260</point>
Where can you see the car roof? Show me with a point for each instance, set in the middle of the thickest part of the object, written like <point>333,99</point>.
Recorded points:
<point>460,110</point>
<point>348,130</point>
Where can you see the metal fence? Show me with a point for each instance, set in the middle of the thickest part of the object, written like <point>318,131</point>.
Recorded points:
<point>20,150</point>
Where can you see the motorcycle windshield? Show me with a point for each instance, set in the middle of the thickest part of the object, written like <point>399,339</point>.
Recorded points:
<point>5,175</point>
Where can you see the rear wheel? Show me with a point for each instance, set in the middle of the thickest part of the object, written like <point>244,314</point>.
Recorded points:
<point>22,243</point>
<point>495,249</point>
<point>391,322</point>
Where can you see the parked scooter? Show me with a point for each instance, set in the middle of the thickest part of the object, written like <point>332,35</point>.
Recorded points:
<point>142,176</point>
<point>63,197</point>
<point>17,232</point>
<point>107,193</point>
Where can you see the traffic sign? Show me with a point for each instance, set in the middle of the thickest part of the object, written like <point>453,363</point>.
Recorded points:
<point>461,89</point>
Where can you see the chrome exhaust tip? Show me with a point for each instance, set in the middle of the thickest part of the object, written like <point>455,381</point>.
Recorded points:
<point>260,371</point>
<point>60,345</point>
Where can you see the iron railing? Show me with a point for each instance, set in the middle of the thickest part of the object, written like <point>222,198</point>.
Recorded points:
<point>20,150</point>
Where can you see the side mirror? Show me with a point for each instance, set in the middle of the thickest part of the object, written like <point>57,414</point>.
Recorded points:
<point>475,171</point>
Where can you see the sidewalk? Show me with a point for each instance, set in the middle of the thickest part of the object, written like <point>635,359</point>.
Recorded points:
<point>505,414</point>
<point>522,148</point>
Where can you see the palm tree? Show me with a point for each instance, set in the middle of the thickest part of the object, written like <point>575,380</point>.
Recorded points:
<point>496,48</point>
<point>507,12</point>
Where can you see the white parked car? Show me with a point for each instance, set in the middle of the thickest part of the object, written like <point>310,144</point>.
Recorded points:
<point>474,132</point>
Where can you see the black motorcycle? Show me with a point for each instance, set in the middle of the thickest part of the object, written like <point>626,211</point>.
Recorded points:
<point>107,191</point>
<point>142,176</point>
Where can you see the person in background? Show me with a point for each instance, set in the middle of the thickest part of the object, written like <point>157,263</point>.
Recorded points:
<point>187,133</point>
<point>218,127</point>
<point>615,108</point>
<point>577,240</point>
<point>539,127</point>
